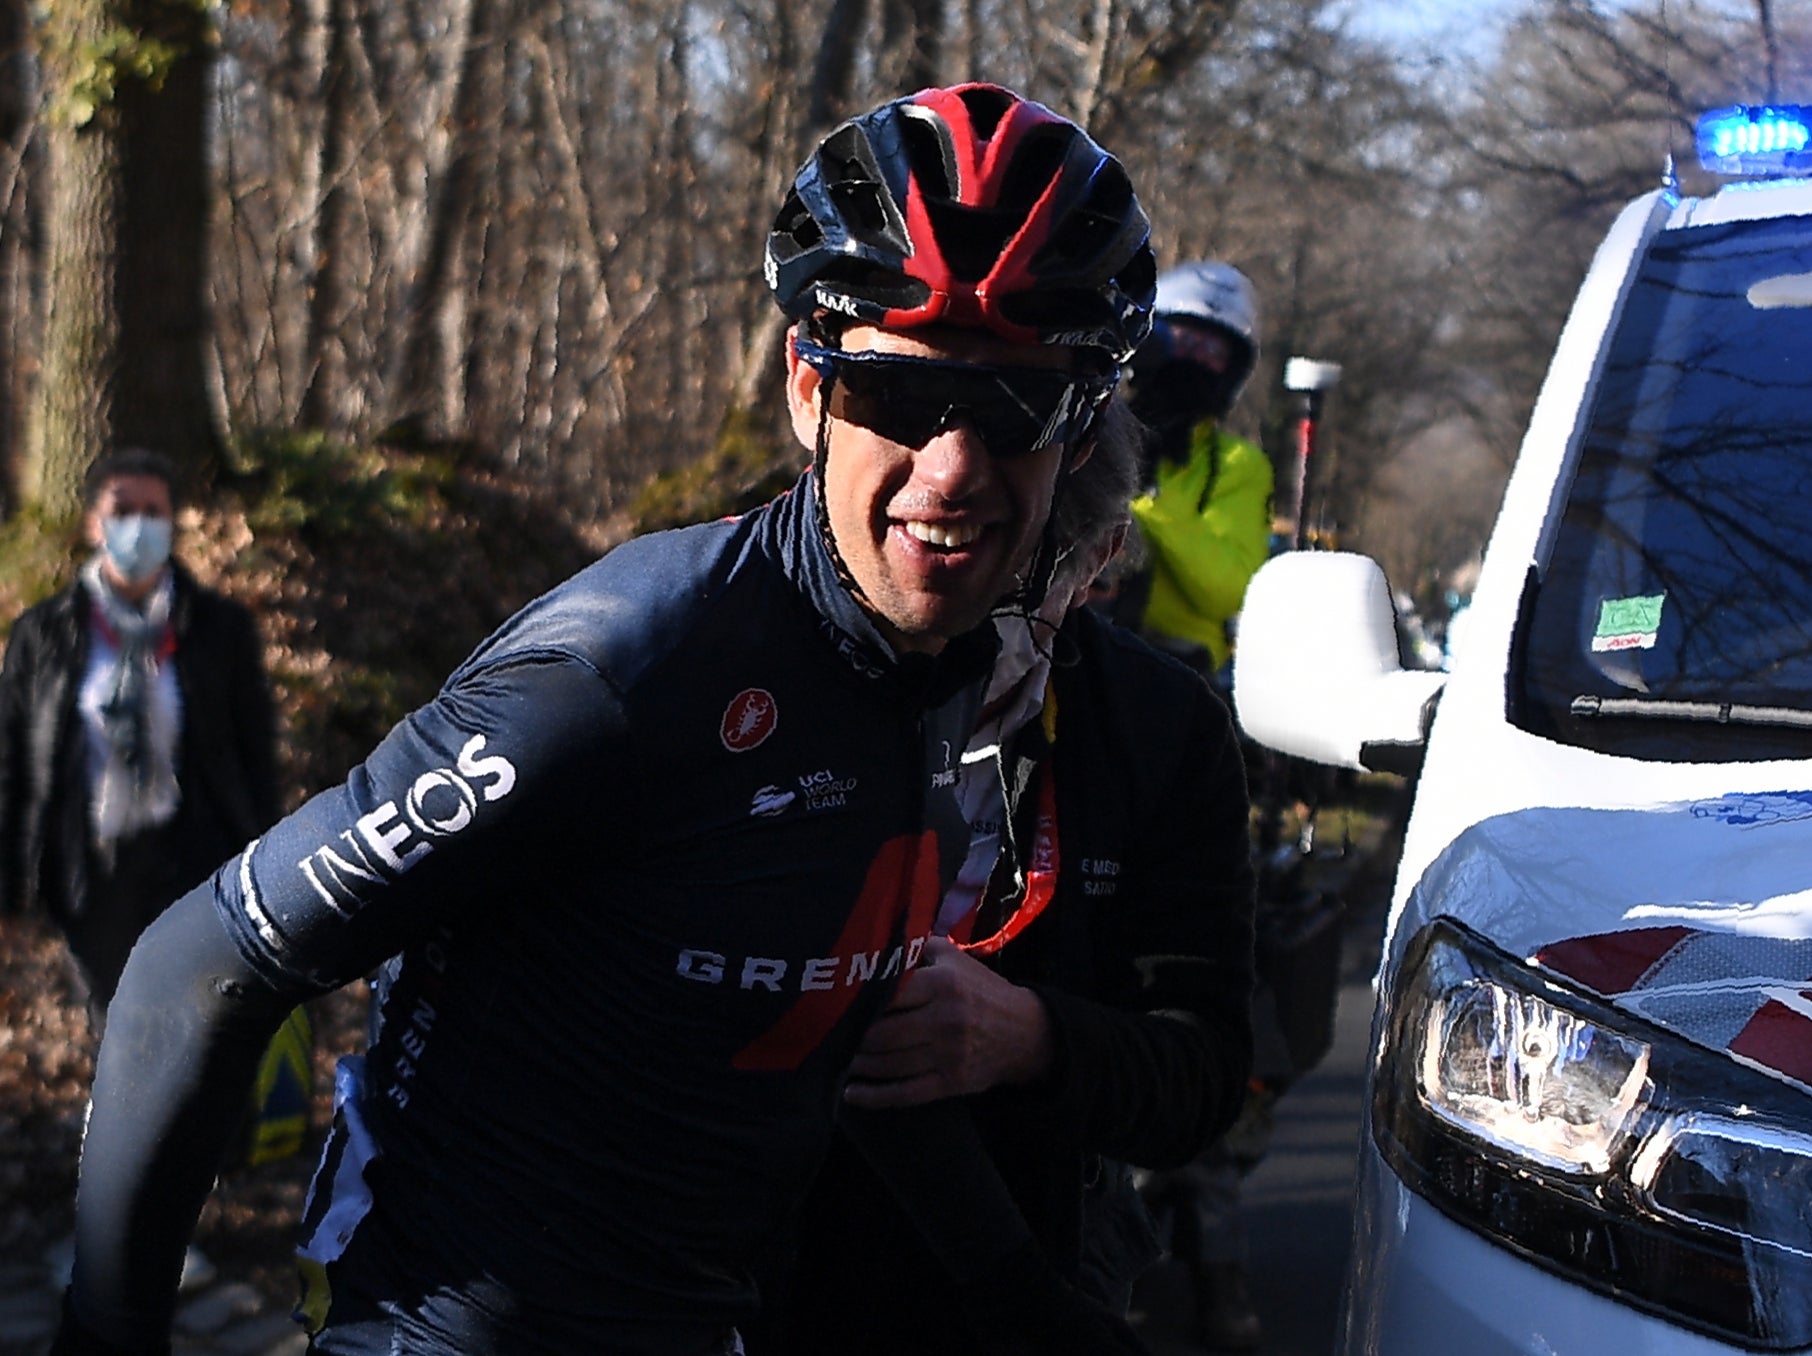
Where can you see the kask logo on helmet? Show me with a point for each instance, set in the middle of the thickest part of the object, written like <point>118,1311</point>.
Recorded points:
<point>836,301</point>
<point>1095,338</point>
<point>386,842</point>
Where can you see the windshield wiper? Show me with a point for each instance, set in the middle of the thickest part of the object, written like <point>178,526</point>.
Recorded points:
<point>1708,713</point>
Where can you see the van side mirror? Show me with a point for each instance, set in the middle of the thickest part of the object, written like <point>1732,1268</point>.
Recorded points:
<point>1315,668</point>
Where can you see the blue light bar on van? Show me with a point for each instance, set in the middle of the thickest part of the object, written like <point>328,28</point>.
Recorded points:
<point>1755,141</point>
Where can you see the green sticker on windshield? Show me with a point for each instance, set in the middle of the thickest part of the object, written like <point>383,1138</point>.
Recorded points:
<point>1628,623</point>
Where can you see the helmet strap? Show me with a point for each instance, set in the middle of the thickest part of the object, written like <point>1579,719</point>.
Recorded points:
<point>1042,568</point>
<point>821,506</point>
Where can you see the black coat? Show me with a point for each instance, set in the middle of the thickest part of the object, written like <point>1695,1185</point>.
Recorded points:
<point>226,764</point>
<point>1144,963</point>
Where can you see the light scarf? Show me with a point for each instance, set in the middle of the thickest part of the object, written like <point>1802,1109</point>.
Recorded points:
<point>135,787</point>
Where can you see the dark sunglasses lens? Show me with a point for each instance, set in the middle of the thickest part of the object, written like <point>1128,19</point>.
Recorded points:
<point>886,402</point>
<point>1014,410</point>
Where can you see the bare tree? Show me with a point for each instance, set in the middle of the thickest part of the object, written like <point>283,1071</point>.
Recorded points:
<point>126,229</point>
<point>17,312</point>
<point>162,251</point>
<point>1584,109</point>
<point>533,231</point>
<point>327,386</point>
<point>73,417</point>
<point>834,68</point>
<point>1764,13</point>
<point>426,385</point>
<point>912,41</point>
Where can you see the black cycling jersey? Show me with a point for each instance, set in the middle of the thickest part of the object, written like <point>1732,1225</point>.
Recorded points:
<point>651,859</point>
<point>1143,961</point>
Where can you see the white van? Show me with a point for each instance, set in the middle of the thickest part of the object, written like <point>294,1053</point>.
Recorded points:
<point>1589,1121</point>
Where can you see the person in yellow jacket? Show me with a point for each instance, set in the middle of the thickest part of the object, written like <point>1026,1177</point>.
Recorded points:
<point>1206,517</point>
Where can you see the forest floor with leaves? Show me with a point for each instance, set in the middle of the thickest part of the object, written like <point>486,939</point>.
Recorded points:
<point>248,1228</point>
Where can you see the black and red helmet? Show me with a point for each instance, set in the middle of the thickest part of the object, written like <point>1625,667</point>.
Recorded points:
<point>967,206</point>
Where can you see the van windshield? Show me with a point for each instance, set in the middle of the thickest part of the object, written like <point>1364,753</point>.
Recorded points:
<point>1672,619</point>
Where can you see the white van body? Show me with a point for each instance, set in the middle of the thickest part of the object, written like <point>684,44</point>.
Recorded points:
<point>1589,1125</point>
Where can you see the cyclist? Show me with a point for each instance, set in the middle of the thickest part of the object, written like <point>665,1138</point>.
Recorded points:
<point>1122,984</point>
<point>1206,515</point>
<point>666,842</point>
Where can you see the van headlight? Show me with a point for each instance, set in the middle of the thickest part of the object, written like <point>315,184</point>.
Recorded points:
<point>1597,1145</point>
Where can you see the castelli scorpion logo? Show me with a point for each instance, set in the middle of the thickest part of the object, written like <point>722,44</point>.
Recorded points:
<point>749,718</point>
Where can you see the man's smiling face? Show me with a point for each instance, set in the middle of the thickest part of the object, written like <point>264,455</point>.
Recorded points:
<point>934,536</point>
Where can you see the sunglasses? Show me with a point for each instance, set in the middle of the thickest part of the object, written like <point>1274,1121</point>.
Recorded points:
<point>910,400</point>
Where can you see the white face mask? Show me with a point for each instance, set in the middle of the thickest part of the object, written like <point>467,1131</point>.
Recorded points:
<point>138,545</point>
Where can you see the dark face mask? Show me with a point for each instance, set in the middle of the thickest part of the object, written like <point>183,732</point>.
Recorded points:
<point>1174,397</point>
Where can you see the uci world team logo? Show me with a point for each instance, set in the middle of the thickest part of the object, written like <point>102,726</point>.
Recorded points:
<point>749,719</point>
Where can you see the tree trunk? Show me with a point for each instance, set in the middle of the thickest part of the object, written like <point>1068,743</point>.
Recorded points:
<point>831,72</point>
<point>16,84</point>
<point>126,232</point>
<point>1771,47</point>
<point>162,251</point>
<point>325,346</point>
<point>912,40</point>
<point>427,387</point>
<point>72,418</point>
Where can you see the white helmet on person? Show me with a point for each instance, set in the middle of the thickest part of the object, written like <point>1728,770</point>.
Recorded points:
<point>1209,292</point>
<point>1213,293</point>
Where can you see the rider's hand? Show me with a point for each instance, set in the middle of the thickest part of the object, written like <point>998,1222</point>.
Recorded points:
<point>954,1028</point>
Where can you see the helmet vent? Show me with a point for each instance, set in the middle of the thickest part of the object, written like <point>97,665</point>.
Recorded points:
<point>864,209</point>
<point>1048,309</point>
<point>987,105</point>
<point>1038,161</point>
<point>795,230</point>
<point>853,180</point>
<point>972,239</point>
<point>931,157</point>
<point>1088,232</point>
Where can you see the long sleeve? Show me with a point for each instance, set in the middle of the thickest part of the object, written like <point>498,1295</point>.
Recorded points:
<point>1145,962</point>
<point>209,982</point>
<point>184,1034</point>
<point>1154,1055</point>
